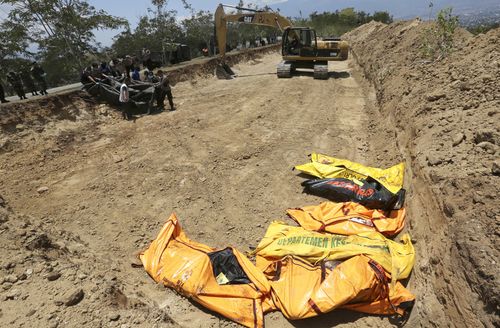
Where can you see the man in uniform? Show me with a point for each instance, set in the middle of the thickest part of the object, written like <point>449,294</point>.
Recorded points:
<point>16,83</point>
<point>28,82</point>
<point>39,76</point>
<point>2,95</point>
<point>163,90</point>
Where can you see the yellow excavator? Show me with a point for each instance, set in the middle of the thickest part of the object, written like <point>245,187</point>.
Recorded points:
<point>300,47</point>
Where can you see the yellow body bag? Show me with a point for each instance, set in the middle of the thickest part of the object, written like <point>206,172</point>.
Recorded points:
<point>323,166</point>
<point>190,268</point>
<point>348,219</point>
<point>281,240</point>
<point>301,290</point>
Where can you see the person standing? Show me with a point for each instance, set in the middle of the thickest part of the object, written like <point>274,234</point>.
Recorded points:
<point>124,99</point>
<point>16,83</point>
<point>96,72</point>
<point>113,69</point>
<point>147,76</point>
<point>39,76</point>
<point>136,75</point>
<point>28,82</point>
<point>86,78</point>
<point>2,94</point>
<point>163,90</point>
<point>128,64</point>
<point>104,69</point>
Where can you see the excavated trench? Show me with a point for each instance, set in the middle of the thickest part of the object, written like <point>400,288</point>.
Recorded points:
<point>444,114</point>
<point>100,188</point>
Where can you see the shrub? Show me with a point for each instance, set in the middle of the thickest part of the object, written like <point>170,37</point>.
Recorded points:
<point>438,39</point>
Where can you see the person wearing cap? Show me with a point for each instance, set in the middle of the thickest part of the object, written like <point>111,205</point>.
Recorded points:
<point>16,83</point>
<point>39,76</point>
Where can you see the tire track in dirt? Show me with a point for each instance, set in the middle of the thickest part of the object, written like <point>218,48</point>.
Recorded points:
<point>222,162</point>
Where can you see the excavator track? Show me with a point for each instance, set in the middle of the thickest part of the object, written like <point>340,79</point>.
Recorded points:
<point>284,69</point>
<point>321,71</point>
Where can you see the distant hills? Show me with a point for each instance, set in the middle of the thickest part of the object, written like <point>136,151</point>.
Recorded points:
<point>400,9</point>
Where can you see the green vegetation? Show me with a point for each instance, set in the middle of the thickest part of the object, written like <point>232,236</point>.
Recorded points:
<point>341,21</point>
<point>438,39</point>
<point>482,28</point>
<point>62,32</point>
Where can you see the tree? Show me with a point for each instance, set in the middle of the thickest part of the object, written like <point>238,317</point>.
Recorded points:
<point>62,30</point>
<point>347,16</point>
<point>13,41</point>
<point>382,16</point>
<point>198,30</point>
<point>154,31</point>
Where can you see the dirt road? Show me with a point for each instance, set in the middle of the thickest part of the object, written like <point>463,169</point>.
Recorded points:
<point>222,162</point>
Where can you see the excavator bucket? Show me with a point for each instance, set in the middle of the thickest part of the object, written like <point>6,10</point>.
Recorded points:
<point>224,72</point>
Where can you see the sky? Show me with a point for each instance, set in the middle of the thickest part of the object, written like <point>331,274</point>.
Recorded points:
<point>133,9</point>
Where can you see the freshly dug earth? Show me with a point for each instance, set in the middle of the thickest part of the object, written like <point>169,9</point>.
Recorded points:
<point>99,189</point>
<point>446,113</point>
<point>86,192</point>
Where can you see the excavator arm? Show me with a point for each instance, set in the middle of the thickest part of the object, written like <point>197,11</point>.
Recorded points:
<point>255,17</point>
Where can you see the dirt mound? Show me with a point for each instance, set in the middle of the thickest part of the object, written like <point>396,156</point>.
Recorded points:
<point>205,68</point>
<point>19,120</point>
<point>58,120</point>
<point>51,270</point>
<point>446,113</point>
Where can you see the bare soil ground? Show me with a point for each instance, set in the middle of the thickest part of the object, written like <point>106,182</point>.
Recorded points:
<point>85,190</point>
<point>446,114</point>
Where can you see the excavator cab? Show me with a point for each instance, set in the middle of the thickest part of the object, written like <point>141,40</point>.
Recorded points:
<point>299,41</point>
<point>300,50</point>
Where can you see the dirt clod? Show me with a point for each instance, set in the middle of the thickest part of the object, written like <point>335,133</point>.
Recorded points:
<point>436,95</point>
<point>39,241</point>
<point>487,135</point>
<point>495,168</point>
<point>41,190</point>
<point>114,317</point>
<point>74,297</point>
<point>53,276</point>
<point>457,139</point>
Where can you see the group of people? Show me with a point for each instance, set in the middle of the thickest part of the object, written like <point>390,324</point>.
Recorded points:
<point>30,79</point>
<point>98,72</point>
<point>128,66</point>
<point>125,70</point>
<point>162,90</point>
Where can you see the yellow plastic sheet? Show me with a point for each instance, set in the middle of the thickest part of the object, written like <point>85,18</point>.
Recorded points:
<point>301,290</point>
<point>323,166</point>
<point>348,219</point>
<point>281,240</point>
